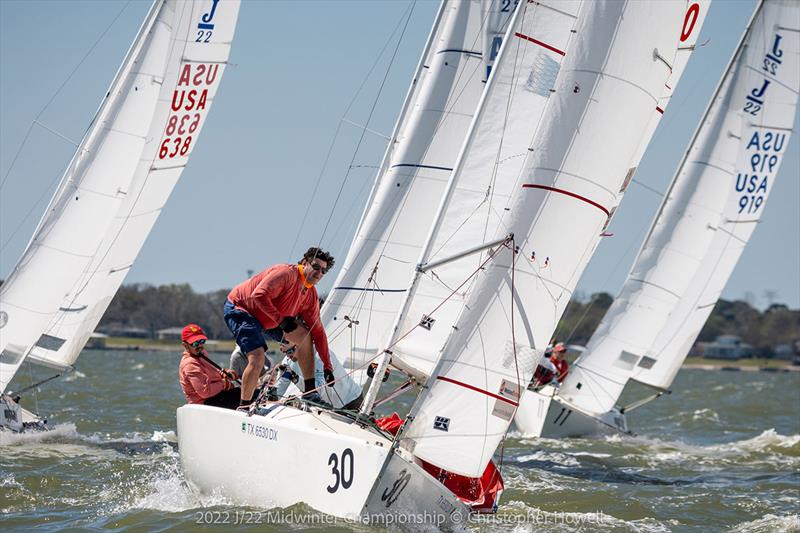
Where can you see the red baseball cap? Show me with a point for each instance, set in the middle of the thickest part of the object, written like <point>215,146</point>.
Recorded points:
<point>192,333</point>
<point>560,347</point>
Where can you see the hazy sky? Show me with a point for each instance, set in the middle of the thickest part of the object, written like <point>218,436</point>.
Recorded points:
<point>296,66</point>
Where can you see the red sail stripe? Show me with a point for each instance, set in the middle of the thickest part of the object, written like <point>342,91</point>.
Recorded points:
<point>572,194</point>
<point>476,389</point>
<point>540,43</point>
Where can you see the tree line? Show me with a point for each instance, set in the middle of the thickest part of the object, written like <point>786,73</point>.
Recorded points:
<point>151,309</point>
<point>761,329</point>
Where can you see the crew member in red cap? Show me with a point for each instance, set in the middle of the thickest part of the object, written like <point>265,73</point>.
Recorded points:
<point>562,367</point>
<point>200,380</point>
<point>281,304</point>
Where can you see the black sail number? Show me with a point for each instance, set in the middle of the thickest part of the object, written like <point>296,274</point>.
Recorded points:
<point>390,495</point>
<point>342,470</point>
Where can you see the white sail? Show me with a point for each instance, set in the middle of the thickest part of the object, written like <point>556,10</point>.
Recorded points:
<point>118,181</point>
<point>444,94</point>
<point>695,12</point>
<point>556,205</point>
<point>765,137</point>
<point>488,173</point>
<point>680,270</point>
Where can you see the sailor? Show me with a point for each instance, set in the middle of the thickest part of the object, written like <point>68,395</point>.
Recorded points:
<point>562,367</point>
<point>201,381</point>
<point>281,304</point>
<point>238,363</point>
<point>545,371</point>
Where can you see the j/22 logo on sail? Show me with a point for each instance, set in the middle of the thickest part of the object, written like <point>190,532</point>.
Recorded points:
<point>772,61</point>
<point>205,27</point>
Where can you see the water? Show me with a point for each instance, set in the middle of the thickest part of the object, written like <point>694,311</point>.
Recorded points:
<point>721,454</point>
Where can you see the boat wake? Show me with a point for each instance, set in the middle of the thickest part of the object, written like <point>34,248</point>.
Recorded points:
<point>58,433</point>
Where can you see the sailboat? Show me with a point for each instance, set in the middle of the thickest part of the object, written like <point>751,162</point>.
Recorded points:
<point>569,98</point>
<point>113,190</point>
<point>711,208</point>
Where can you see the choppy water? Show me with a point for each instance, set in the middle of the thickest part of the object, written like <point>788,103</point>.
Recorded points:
<point>721,454</point>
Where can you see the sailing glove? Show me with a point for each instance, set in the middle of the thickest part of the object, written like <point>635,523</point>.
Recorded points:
<point>329,379</point>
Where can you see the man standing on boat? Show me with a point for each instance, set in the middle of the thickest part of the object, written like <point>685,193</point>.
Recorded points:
<point>202,381</point>
<point>562,367</point>
<point>281,304</point>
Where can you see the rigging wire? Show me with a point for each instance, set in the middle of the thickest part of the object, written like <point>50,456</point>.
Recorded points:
<point>36,121</point>
<point>58,91</point>
<point>439,124</point>
<point>521,386</point>
<point>366,123</point>
<point>342,120</point>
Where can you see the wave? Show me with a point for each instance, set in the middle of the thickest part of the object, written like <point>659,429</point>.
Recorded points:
<point>706,415</point>
<point>64,440</point>
<point>528,518</point>
<point>769,522</point>
<point>553,458</point>
<point>769,441</point>
<point>72,376</point>
<point>59,432</point>
<point>9,481</point>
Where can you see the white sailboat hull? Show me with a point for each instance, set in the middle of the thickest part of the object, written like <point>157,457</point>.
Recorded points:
<point>544,414</point>
<point>287,456</point>
<point>15,418</point>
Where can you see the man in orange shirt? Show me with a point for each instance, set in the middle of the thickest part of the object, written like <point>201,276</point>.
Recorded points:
<point>200,380</point>
<point>281,304</point>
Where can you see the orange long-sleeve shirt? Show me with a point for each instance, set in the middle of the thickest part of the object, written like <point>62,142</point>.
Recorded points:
<point>199,380</point>
<point>278,292</point>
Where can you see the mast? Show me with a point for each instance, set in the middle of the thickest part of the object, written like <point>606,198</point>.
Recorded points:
<point>385,357</point>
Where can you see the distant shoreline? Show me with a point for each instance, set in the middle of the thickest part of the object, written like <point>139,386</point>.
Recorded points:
<point>226,346</point>
<point>128,344</point>
<point>788,367</point>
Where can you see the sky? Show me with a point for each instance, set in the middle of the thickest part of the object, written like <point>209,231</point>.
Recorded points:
<point>295,69</point>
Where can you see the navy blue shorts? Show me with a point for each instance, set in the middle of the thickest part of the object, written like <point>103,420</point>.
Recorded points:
<point>247,330</point>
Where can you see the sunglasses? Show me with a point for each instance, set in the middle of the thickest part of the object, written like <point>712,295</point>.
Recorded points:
<point>319,268</point>
<point>198,344</point>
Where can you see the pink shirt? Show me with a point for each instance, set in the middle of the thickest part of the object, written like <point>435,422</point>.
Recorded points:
<point>199,380</point>
<point>278,292</point>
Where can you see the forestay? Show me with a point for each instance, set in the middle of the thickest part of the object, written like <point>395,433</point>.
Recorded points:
<point>555,202</point>
<point>679,273</point>
<point>432,126</point>
<point>117,183</point>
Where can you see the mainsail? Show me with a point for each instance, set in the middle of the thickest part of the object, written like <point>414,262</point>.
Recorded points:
<point>118,181</point>
<point>570,98</point>
<point>712,207</point>
<point>439,107</point>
